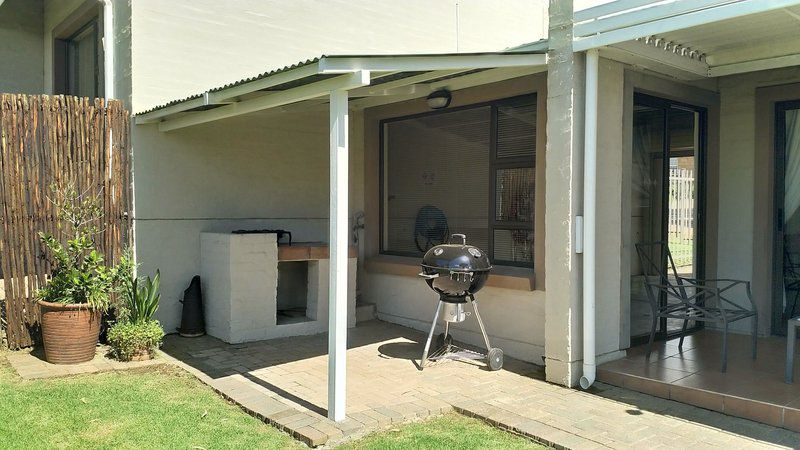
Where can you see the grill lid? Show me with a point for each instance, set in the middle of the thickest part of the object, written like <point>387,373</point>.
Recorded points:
<point>457,257</point>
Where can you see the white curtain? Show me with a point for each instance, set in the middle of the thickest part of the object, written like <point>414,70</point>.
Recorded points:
<point>791,201</point>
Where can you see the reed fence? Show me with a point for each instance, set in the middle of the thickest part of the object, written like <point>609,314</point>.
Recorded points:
<point>46,141</point>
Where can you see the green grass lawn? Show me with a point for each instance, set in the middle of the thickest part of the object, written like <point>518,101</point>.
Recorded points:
<point>452,431</point>
<point>157,408</point>
<point>164,407</point>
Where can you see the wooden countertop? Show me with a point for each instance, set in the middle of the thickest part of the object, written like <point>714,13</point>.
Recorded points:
<point>309,251</point>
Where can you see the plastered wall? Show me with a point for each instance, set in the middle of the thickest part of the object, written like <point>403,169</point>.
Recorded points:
<point>21,47</point>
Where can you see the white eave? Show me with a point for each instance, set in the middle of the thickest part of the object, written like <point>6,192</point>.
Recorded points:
<point>693,39</point>
<point>370,80</point>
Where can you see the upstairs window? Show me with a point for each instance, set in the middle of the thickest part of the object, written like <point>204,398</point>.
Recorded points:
<point>468,170</point>
<point>78,61</point>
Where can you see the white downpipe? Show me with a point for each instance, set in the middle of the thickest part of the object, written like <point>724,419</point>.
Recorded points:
<point>589,218</point>
<point>108,49</point>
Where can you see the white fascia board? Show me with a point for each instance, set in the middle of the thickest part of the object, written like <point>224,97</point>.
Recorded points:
<point>224,95</point>
<point>644,15</point>
<point>454,84</point>
<point>428,62</point>
<point>294,95</point>
<point>661,56</point>
<point>691,19</point>
<point>264,83</point>
<point>755,65</point>
<point>155,116</point>
<point>608,8</point>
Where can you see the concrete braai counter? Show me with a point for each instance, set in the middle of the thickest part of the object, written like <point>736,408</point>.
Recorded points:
<point>255,289</point>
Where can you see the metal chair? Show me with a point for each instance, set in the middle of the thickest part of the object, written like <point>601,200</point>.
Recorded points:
<point>689,299</point>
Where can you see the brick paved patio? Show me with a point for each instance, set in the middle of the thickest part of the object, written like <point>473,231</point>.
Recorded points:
<point>283,382</point>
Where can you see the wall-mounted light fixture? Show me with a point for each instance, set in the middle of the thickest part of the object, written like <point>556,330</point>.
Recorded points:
<point>439,99</point>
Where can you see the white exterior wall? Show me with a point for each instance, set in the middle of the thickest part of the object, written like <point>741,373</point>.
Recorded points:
<point>182,47</point>
<point>21,47</point>
<point>739,150</point>
<point>256,171</point>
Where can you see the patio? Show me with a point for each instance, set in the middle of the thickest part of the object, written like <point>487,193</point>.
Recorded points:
<point>284,382</point>
<point>753,389</point>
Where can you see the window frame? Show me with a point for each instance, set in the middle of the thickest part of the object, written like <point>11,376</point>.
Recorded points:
<point>86,18</point>
<point>495,164</point>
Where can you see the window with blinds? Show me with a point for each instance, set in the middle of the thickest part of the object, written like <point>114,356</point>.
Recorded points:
<point>469,170</point>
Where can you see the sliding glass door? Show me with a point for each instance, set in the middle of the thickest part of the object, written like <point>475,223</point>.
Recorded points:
<point>786,249</point>
<point>666,193</point>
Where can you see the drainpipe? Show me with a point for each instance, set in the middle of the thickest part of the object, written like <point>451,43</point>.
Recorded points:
<point>589,218</point>
<point>108,48</point>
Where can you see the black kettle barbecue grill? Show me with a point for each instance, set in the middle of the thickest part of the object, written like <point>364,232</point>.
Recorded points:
<point>456,271</point>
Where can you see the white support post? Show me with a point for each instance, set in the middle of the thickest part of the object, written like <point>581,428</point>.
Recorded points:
<point>589,217</point>
<point>339,236</point>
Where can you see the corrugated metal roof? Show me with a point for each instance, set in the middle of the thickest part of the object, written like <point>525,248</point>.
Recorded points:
<point>538,47</point>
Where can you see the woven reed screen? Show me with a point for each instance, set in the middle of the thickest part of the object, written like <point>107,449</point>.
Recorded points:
<point>47,141</point>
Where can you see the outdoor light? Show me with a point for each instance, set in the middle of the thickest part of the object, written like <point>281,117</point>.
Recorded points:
<point>439,99</point>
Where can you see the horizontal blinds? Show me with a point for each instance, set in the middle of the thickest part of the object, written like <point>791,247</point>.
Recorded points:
<point>516,132</point>
<point>437,179</point>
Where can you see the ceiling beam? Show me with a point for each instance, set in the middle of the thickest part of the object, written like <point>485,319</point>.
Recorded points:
<point>379,89</point>
<point>453,84</point>
<point>298,94</point>
<point>687,20</point>
<point>641,51</point>
<point>755,65</point>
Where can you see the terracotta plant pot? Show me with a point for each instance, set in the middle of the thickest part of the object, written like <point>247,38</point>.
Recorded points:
<point>142,355</point>
<point>69,332</point>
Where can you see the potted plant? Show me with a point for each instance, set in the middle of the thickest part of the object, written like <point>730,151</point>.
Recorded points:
<point>79,290</point>
<point>136,335</point>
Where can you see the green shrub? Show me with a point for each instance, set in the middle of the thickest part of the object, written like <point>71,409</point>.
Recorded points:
<point>127,338</point>
<point>80,274</point>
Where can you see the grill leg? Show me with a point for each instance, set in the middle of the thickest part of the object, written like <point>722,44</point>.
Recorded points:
<point>446,329</point>
<point>480,322</point>
<point>430,336</point>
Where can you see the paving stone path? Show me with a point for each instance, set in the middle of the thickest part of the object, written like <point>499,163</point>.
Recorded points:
<point>283,382</point>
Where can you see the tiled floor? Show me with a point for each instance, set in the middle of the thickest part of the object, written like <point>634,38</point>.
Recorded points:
<point>753,389</point>
<point>31,364</point>
<point>283,381</point>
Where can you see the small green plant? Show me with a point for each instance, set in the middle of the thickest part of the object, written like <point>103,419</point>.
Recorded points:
<point>129,339</point>
<point>145,298</point>
<point>79,272</point>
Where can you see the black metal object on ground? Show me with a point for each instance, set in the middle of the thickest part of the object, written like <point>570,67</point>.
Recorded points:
<point>456,272</point>
<point>192,321</point>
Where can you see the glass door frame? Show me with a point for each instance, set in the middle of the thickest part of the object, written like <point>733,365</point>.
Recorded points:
<point>668,105</point>
<point>777,324</point>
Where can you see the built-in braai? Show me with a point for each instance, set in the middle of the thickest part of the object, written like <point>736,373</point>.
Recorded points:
<point>257,286</point>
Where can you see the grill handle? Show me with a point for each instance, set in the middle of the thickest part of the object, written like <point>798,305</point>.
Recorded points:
<point>462,236</point>
<point>429,276</point>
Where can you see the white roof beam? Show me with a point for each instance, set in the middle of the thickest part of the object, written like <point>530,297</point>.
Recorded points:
<point>644,15</point>
<point>298,94</point>
<point>753,66</point>
<point>453,84</point>
<point>425,63</point>
<point>665,57</point>
<point>687,20</point>
<point>608,8</point>
<point>394,84</point>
